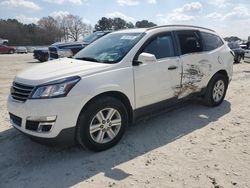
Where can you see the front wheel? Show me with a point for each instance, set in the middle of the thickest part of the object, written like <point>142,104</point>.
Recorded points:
<point>102,124</point>
<point>11,52</point>
<point>216,90</point>
<point>238,59</point>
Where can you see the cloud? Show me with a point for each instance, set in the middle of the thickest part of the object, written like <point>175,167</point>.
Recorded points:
<point>20,4</point>
<point>133,2</point>
<point>27,20</point>
<point>60,2</point>
<point>239,12</point>
<point>128,2</point>
<point>189,7</point>
<point>120,15</point>
<point>86,21</point>
<point>214,16</point>
<point>59,14</point>
<point>219,3</point>
<point>175,17</point>
<point>182,14</point>
<point>151,1</point>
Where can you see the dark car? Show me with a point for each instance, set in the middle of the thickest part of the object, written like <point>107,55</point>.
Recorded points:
<point>238,51</point>
<point>41,54</point>
<point>6,49</point>
<point>62,49</point>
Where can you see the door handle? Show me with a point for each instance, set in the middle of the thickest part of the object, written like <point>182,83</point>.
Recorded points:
<point>172,67</point>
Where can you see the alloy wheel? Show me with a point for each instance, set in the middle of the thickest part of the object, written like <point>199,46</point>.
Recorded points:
<point>105,125</point>
<point>218,91</point>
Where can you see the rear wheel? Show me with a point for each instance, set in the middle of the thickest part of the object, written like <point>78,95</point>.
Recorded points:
<point>216,90</point>
<point>11,52</point>
<point>102,124</point>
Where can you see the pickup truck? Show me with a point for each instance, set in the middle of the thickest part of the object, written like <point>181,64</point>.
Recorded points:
<point>4,41</point>
<point>69,49</point>
<point>93,97</point>
<point>41,54</point>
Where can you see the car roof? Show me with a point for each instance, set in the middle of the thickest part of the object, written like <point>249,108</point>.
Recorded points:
<point>166,27</point>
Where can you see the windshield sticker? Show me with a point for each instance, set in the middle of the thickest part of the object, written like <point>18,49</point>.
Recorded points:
<point>127,37</point>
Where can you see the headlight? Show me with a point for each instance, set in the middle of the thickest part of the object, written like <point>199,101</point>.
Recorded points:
<point>65,53</point>
<point>59,88</point>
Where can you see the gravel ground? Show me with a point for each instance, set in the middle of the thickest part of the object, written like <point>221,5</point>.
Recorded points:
<point>192,146</point>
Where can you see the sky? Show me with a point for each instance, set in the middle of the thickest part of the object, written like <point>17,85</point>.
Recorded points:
<point>227,17</point>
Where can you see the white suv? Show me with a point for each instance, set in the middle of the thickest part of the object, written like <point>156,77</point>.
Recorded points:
<point>94,96</point>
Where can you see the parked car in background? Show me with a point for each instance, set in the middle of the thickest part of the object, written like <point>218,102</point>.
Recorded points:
<point>238,51</point>
<point>247,55</point>
<point>30,49</point>
<point>4,41</point>
<point>243,46</point>
<point>92,97</point>
<point>69,49</point>
<point>41,54</point>
<point>6,49</point>
<point>21,50</point>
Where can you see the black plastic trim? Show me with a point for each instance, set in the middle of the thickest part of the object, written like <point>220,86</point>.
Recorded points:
<point>65,137</point>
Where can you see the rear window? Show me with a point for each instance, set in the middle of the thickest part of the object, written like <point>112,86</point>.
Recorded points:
<point>210,41</point>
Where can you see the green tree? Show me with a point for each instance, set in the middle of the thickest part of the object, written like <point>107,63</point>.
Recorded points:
<point>144,24</point>
<point>104,24</point>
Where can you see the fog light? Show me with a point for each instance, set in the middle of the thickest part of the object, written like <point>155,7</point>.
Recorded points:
<point>41,118</point>
<point>41,124</point>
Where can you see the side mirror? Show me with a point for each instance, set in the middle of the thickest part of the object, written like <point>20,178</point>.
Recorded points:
<point>145,58</point>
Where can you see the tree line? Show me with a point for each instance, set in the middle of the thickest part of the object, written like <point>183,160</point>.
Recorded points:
<point>62,28</point>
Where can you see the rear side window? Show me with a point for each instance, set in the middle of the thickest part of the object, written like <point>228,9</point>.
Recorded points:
<point>189,42</point>
<point>210,41</point>
<point>161,46</point>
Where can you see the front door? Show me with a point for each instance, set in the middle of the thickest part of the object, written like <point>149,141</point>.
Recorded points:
<point>155,82</point>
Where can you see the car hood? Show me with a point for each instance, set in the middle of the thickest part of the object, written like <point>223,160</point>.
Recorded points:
<point>58,69</point>
<point>68,44</point>
<point>41,49</point>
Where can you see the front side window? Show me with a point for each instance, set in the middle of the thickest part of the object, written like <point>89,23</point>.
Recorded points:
<point>110,48</point>
<point>161,46</point>
<point>211,42</point>
<point>189,42</point>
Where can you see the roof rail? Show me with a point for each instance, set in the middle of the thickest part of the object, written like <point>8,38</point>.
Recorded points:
<point>191,26</point>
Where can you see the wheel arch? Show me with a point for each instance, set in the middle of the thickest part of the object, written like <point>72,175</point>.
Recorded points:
<point>117,95</point>
<point>222,72</point>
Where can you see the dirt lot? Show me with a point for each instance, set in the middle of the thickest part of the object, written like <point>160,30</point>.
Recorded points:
<point>192,146</point>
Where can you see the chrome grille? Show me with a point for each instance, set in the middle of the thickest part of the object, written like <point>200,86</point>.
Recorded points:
<point>20,92</point>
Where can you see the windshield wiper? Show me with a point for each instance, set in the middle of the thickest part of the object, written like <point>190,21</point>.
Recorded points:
<point>88,59</point>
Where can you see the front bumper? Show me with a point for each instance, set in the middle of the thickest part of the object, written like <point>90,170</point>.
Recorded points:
<point>64,109</point>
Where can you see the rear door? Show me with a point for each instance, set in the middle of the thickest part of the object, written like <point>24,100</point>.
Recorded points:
<point>195,63</point>
<point>155,82</point>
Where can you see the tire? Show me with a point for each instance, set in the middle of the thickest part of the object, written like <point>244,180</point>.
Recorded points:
<point>89,118</point>
<point>238,59</point>
<point>11,52</point>
<point>213,90</point>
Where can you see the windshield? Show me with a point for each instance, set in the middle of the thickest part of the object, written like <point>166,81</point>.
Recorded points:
<point>92,37</point>
<point>109,49</point>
